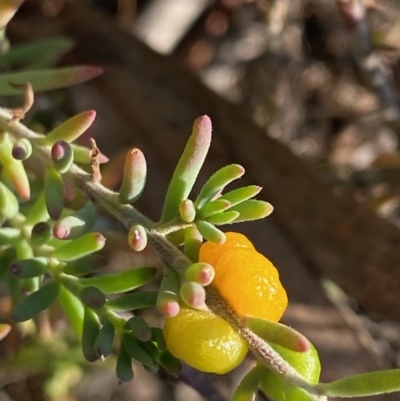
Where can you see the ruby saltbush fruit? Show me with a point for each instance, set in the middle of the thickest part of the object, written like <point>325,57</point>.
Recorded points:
<point>219,297</point>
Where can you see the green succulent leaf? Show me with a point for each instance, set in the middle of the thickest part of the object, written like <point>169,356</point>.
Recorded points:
<point>90,332</point>
<point>252,210</point>
<point>44,80</point>
<point>170,363</point>
<point>26,55</point>
<point>124,368</point>
<point>214,207</point>
<point>363,385</point>
<point>248,387</point>
<point>136,351</point>
<point>134,301</point>
<point>80,247</point>
<point>36,302</point>
<point>86,265</point>
<point>54,193</point>
<point>72,308</point>
<point>121,282</point>
<point>240,195</point>
<point>223,218</point>
<point>217,182</point>
<point>278,333</point>
<point>210,232</point>
<point>188,167</point>
<point>28,268</point>
<point>105,339</point>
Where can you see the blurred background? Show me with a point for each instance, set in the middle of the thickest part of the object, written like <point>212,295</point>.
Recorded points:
<point>302,93</point>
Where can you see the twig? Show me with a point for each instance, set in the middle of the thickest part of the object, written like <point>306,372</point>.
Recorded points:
<point>369,62</point>
<point>19,113</point>
<point>169,254</point>
<point>94,161</point>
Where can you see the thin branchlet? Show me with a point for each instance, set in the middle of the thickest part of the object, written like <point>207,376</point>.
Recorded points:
<point>169,253</point>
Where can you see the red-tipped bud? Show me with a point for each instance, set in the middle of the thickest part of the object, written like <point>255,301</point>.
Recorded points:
<point>187,211</point>
<point>137,238</point>
<point>202,273</point>
<point>71,129</point>
<point>194,295</point>
<point>168,294</point>
<point>134,178</point>
<point>62,155</point>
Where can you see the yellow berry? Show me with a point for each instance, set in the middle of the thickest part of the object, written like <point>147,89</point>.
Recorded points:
<point>247,280</point>
<point>204,340</point>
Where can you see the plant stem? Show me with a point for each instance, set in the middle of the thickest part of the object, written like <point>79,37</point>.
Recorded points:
<point>169,254</point>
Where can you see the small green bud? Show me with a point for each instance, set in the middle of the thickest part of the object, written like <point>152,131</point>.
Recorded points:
<point>22,149</point>
<point>71,129</point>
<point>187,211</point>
<point>92,297</point>
<point>137,238</point>
<point>54,193</point>
<point>134,178</point>
<point>80,247</point>
<point>41,234</point>
<point>62,155</point>
<point>194,295</point>
<point>210,232</point>
<point>202,273</point>
<point>29,268</point>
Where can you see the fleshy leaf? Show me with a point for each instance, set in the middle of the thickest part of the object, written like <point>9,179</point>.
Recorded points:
<point>277,333</point>
<point>188,167</point>
<point>121,282</point>
<point>36,302</point>
<point>9,205</point>
<point>252,210</point>
<point>72,308</point>
<point>86,265</point>
<point>248,387</point>
<point>194,295</point>
<point>139,328</point>
<point>71,129</point>
<point>214,207</point>
<point>168,294</point>
<point>134,349</point>
<point>134,301</point>
<point>79,247</point>
<point>210,232</point>
<point>44,80</point>
<point>124,368</point>
<point>29,268</point>
<point>134,177</point>
<point>90,332</point>
<point>223,218</point>
<point>25,55</point>
<point>77,223</point>
<point>54,193</point>
<point>240,195</point>
<point>217,182</point>
<point>363,385</point>
<point>104,341</point>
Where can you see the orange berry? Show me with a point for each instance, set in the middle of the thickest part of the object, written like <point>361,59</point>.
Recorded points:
<point>211,251</point>
<point>204,340</point>
<point>247,280</point>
